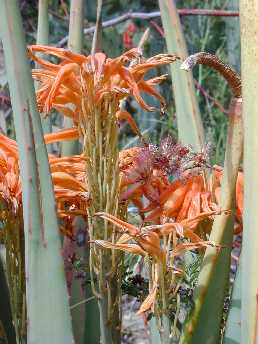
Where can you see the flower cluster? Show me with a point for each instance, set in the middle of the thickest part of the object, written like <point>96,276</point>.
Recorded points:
<point>96,79</point>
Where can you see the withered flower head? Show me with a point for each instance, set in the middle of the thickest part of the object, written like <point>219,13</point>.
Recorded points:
<point>174,158</point>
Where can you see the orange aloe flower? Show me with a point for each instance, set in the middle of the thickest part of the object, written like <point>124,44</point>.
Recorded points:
<point>65,85</point>
<point>68,175</point>
<point>145,172</point>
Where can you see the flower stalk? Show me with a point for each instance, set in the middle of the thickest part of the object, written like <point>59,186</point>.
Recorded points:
<point>102,175</point>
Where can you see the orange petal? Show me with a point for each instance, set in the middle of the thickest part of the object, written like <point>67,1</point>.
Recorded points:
<point>61,76</point>
<point>132,230</point>
<point>63,54</point>
<point>175,200</point>
<point>129,79</point>
<point>62,179</point>
<point>131,248</point>
<point>182,215</point>
<point>62,135</point>
<point>145,87</point>
<point>124,238</point>
<point>126,116</point>
<point>149,301</point>
<point>150,242</point>
<point>188,233</point>
<point>182,248</point>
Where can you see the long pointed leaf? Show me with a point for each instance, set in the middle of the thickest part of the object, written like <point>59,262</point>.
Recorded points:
<point>249,63</point>
<point>97,37</point>
<point>42,38</point>
<point>75,44</point>
<point>47,300</point>
<point>233,326</point>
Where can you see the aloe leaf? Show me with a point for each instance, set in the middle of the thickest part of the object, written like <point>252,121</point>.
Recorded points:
<point>249,44</point>
<point>42,38</point>
<point>205,319</point>
<point>190,128</point>
<point>48,313</point>
<point>75,44</point>
<point>43,25</point>
<point>154,332</point>
<point>233,326</point>
<point>97,37</point>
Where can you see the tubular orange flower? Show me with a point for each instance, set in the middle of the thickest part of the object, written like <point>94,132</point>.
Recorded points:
<point>95,77</point>
<point>145,172</point>
<point>68,174</point>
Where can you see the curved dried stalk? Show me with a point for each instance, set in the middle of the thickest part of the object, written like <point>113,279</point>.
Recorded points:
<point>214,62</point>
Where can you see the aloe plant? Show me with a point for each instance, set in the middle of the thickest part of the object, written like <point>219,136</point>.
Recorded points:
<point>47,302</point>
<point>249,41</point>
<point>190,128</point>
<point>208,298</point>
